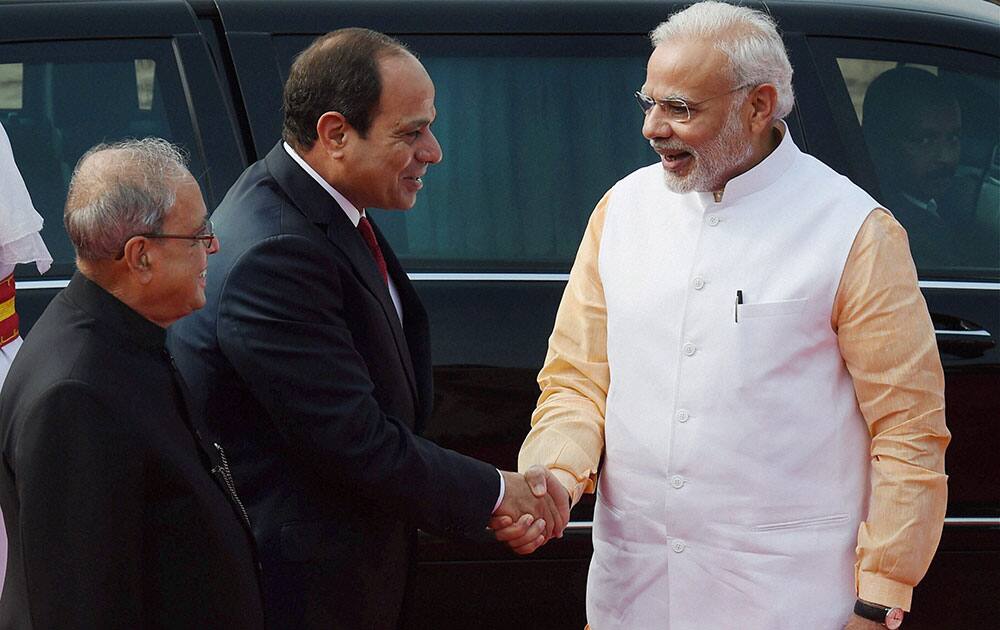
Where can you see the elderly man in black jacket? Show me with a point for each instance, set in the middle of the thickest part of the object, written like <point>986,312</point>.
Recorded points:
<point>113,514</point>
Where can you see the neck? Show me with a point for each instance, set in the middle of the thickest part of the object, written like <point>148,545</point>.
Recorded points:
<point>761,146</point>
<point>109,275</point>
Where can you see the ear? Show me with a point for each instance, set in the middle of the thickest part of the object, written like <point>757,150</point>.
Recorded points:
<point>763,103</point>
<point>139,259</point>
<point>332,132</point>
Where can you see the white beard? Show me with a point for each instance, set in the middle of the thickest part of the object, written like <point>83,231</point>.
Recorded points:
<point>724,154</point>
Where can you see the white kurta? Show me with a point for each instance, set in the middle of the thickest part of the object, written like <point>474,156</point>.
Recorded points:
<point>736,458</point>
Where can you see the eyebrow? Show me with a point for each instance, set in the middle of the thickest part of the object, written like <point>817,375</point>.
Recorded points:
<point>669,97</point>
<point>411,125</point>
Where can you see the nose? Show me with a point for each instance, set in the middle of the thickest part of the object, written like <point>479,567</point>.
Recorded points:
<point>656,124</point>
<point>214,247</point>
<point>429,151</point>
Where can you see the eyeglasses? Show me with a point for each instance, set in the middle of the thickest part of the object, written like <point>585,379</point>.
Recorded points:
<point>206,235</point>
<point>677,108</point>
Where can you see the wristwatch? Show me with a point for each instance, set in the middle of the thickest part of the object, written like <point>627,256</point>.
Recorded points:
<point>891,618</point>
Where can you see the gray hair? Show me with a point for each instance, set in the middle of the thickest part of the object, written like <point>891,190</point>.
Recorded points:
<point>120,190</point>
<point>747,37</point>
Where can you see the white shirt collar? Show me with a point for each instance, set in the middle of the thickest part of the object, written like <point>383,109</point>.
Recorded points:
<point>352,212</point>
<point>766,172</point>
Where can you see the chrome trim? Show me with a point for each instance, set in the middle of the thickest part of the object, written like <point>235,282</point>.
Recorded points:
<point>488,277</point>
<point>534,277</point>
<point>961,521</point>
<point>967,333</point>
<point>975,521</point>
<point>970,286</point>
<point>21,285</point>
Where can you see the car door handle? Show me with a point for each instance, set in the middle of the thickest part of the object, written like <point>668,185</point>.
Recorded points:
<point>961,338</point>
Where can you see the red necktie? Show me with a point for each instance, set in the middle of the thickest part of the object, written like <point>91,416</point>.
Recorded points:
<point>369,235</point>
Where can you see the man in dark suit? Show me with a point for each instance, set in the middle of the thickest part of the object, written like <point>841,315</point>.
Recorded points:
<point>113,515</point>
<point>311,361</point>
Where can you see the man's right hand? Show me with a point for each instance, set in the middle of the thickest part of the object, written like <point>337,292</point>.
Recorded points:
<point>535,508</point>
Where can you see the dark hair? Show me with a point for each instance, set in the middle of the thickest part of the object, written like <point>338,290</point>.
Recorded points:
<point>338,72</point>
<point>894,97</point>
<point>893,102</point>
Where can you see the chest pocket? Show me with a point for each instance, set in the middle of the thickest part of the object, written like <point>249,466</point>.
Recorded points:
<point>768,338</point>
<point>771,309</point>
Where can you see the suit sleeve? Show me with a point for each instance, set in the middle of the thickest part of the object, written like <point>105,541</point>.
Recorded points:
<point>283,326</point>
<point>80,519</point>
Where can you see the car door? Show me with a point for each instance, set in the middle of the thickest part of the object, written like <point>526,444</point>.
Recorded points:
<point>73,75</point>
<point>917,125</point>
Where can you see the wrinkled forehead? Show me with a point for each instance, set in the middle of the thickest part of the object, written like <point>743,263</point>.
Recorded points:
<point>688,68</point>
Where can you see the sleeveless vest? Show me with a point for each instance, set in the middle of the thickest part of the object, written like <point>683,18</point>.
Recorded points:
<point>736,458</point>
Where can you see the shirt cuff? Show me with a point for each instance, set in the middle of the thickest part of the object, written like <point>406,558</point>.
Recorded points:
<point>881,590</point>
<point>503,489</point>
<point>569,481</point>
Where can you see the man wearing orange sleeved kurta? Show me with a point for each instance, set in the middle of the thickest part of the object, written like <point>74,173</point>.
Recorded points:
<point>744,343</point>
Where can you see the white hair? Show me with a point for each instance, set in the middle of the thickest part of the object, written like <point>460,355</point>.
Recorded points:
<point>120,190</point>
<point>747,37</point>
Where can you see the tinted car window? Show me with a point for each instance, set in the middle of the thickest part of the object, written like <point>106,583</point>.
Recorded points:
<point>534,130</point>
<point>59,99</point>
<point>930,123</point>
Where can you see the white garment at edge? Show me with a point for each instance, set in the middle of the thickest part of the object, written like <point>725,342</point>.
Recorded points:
<point>19,243</point>
<point>735,472</point>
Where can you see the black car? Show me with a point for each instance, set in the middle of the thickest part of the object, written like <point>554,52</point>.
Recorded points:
<point>536,119</point>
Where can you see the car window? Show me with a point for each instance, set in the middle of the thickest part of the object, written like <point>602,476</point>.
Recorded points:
<point>930,122</point>
<point>59,99</point>
<point>534,130</point>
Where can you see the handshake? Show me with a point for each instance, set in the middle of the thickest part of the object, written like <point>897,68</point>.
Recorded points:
<point>535,509</point>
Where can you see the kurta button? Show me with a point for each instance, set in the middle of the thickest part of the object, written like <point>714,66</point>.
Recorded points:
<point>698,283</point>
<point>689,349</point>
<point>713,220</point>
<point>677,482</point>
<point>678,545</point>
<point>683,415</point>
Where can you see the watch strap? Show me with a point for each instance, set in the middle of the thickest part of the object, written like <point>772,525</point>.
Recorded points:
<point>888,617</point>
<point>871,611</point>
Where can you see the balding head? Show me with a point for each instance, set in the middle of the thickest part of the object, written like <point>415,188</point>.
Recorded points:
<point>118,191</point>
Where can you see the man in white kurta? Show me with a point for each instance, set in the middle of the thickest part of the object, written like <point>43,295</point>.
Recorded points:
<point>20,242</point>
<point>743,340</point>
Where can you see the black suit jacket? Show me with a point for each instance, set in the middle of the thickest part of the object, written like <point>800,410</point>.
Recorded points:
<point>113,518</point>
<point>302,369</point>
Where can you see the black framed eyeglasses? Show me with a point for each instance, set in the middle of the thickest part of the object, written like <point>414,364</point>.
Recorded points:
<point>676,108</point>
<point>206,236</point>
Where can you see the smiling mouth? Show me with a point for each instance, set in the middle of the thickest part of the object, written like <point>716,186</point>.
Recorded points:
<point>203,274</point>
<point>673,156</point>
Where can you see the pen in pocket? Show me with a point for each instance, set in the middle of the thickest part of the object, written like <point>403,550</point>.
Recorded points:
<point>739,300</point>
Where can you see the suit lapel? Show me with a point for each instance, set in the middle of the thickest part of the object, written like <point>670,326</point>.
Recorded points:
<point>320,208</point>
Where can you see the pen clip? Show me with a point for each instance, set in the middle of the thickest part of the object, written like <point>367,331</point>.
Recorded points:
<point>739,300</point>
